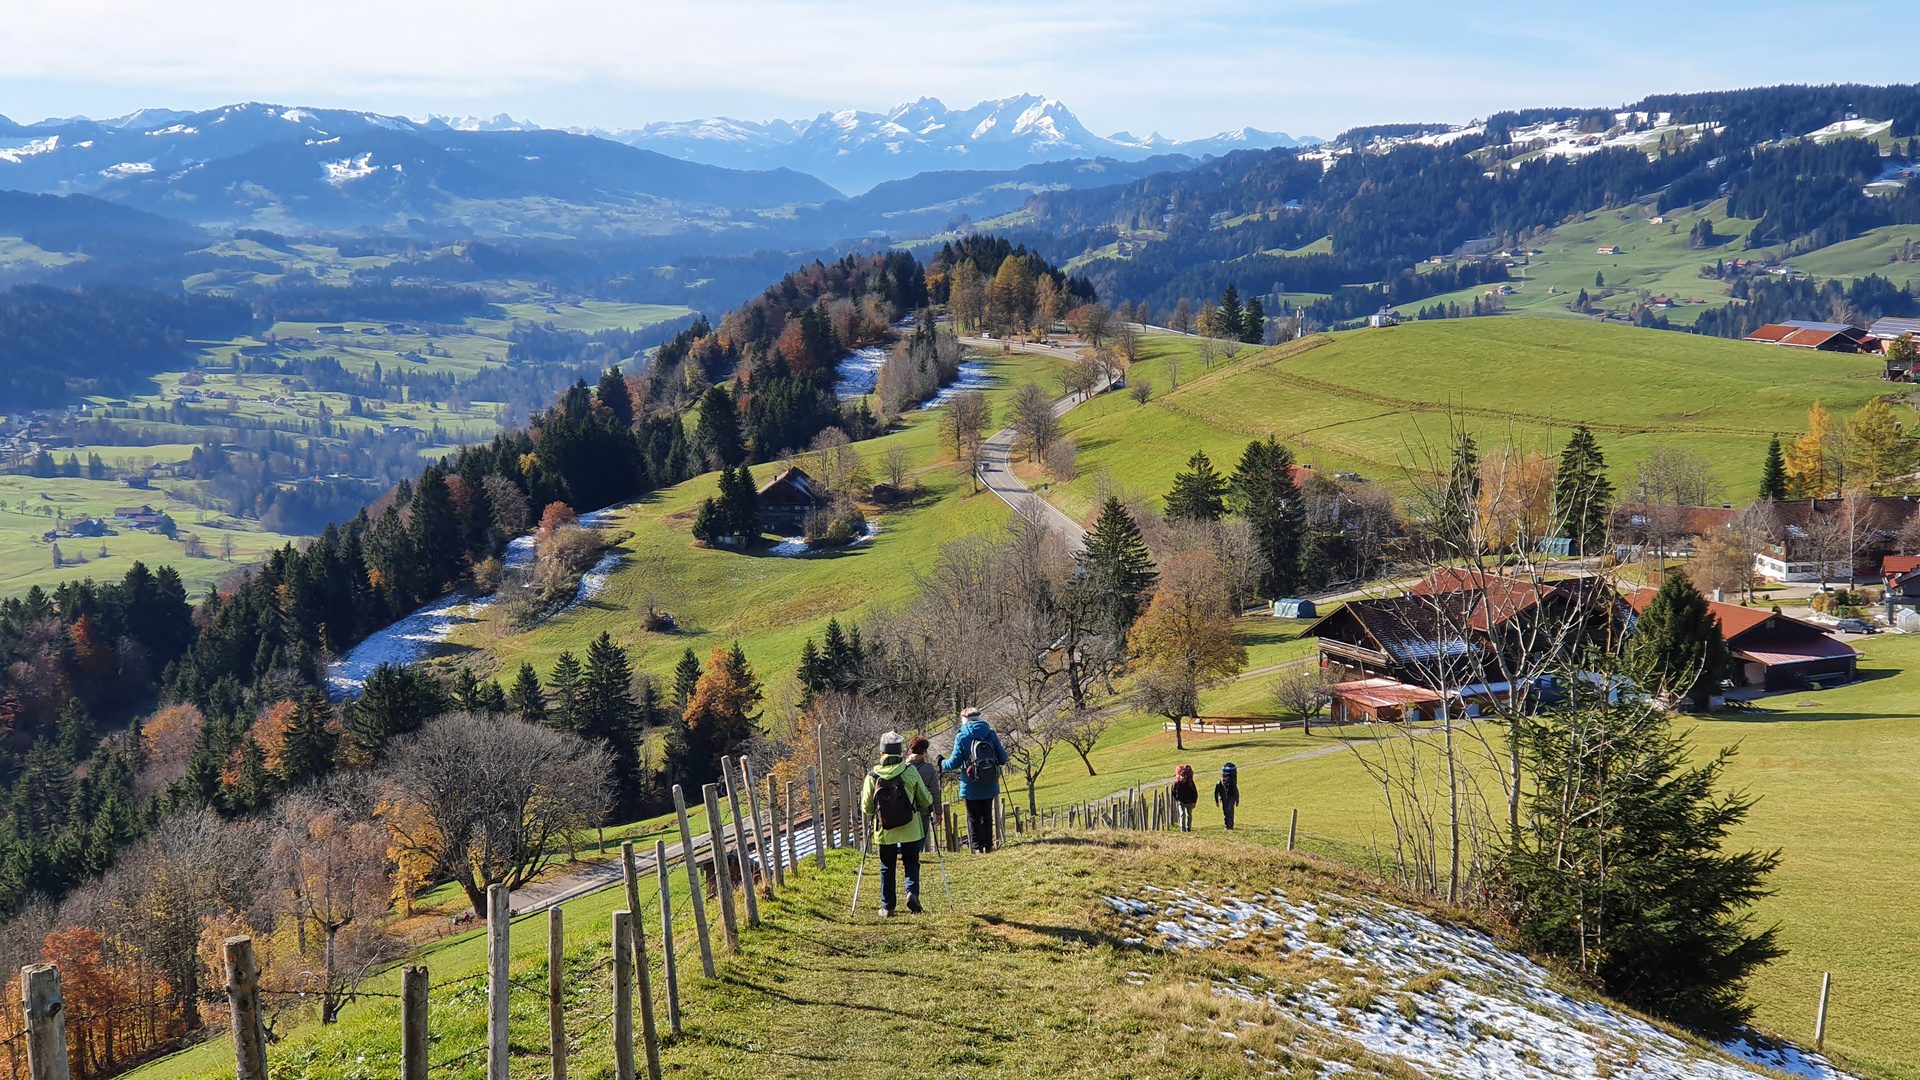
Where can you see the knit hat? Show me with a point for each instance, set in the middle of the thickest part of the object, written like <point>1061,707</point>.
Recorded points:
<point>890,743</point>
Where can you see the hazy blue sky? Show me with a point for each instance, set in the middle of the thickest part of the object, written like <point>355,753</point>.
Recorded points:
<point>1186,69</point>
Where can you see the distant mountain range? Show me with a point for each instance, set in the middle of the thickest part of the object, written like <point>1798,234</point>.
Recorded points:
<point>855,150</point>
<point>256,165</point>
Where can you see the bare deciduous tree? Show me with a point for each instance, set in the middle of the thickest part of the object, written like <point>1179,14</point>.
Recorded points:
<point>1028,750</point>
<point>896,465</point>
<point>488,800</point>
<point>329,867</point>
<point>963,429</point>
<point>1082,730</point>
<point>1300,692</point>
<point>1034,424</point>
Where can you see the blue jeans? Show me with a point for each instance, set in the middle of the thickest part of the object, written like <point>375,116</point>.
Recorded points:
<point>909,857</point>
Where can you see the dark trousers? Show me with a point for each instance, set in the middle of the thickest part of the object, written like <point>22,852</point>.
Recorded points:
<point>1226,808</point>
<point>909,856</point>
<point>980,824</point>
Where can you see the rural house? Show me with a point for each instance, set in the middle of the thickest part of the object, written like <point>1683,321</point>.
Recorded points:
<point>1773,651</point>
<point>1814,540</point>
<point>1901,574</point>
<point>787,499</point>
<point>1819,336</point>
<point>1642,526</point>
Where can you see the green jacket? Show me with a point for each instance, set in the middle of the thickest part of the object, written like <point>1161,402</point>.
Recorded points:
<point>891,766</point>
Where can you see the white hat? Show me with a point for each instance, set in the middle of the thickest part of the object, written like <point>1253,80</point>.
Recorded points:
<point>892,743</point>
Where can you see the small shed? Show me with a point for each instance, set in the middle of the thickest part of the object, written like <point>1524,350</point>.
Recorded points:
<point>1294,609</point>
<point>787,499</point>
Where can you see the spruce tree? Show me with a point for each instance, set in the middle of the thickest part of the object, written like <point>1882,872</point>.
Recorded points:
<point>1582,494</point>
<point>1620,869</point>
<point>717,429</point>
<point>75,730</point>
<point>307,753</point>
<point>812,674</point>
<point>528,702</point>
<point>1773,475</point>
<point>1677,642</point>
<point>1457,506</point>
<point>612,394</point>
<point>1117,569</point>
<point>255,785</point>
<point>686,676</point>
<point>438,537</point>
<point>607,712</point>
<point>1253,322</point>
<point>1199,493</point>
<point>1227,316</point>
<point>1264,493</point>
<point>565,715</point>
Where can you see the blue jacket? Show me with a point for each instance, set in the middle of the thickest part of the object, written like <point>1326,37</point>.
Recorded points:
<point>971,732</point>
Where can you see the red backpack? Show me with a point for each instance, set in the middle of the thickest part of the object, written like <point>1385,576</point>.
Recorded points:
<point>1183,788</point>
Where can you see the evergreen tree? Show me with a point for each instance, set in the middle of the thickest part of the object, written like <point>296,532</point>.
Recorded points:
<point>75,730</point>
<point>1620,869</point>
<point>607,714</point>
<point>255,785</point>
<point>565,714</point>
<point>527,700</point>
<point>811,674</point>
<point>1463,491</point>
<point>1773,475</point>
<point>308,750</point>
<point>1116,568</point>
<point>1253,323</point>
<point>438,537</point>
<point>717,430</point>
<point>720,716</point>
<point>1227,316</point>
<point>1677,642</point>
<point>395,700</point>
<point>1264,493</point>
<point>1582,494</point>
<point>612,395</point>
<point>44,792</point>
<point>686,676</point>
<point>1199,493</point>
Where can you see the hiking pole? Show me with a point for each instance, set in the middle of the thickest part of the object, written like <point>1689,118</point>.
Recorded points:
<point>864,845</point>
<point>935,845</point>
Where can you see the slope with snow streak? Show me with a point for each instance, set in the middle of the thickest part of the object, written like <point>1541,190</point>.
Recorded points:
<point>1451,1002</point>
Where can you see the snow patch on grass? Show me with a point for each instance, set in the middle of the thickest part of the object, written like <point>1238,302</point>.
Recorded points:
<point>1450,1001</point>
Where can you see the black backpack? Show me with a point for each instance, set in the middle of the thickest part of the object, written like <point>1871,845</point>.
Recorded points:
<point>983,764</point>
<point>890,801</point>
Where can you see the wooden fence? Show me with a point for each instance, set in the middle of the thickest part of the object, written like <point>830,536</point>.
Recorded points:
<point>749,865</point>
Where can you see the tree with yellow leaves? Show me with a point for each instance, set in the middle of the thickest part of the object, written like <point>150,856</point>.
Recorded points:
<point>1515,500</point>
<point>1807,456</point>
<point>1185,638</point>
<point>1876,455</point>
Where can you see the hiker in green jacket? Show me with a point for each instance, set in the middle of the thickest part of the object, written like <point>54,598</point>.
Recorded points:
<point>894,797</point>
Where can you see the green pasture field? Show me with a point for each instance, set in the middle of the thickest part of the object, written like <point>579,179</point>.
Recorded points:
<point>1380,401</point>
<point>770,605</point>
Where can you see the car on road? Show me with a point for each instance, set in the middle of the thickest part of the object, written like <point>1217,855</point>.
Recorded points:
<point>1856,626</point>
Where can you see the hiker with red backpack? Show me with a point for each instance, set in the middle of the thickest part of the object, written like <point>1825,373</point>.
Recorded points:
<point>978,755</point>
<point>1186,795</point>
<point>894,797</point>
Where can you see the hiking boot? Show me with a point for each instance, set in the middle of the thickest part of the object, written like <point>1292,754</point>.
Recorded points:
<point>913,903</point>
<point>886,913</point>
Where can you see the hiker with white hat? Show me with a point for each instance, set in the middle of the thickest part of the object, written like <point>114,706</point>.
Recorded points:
<point>894,798</point>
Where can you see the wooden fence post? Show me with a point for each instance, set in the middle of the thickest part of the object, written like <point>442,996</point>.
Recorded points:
<point>243,1004</point>
<point>821,793</point>
<point>1820,1019</point>
<point>768,851</point>
<point>556,992</point>
<point>793,846</point>
<point>815,812</point>
<point>722,872</point>
<point>46,1019</point>
<point>845,818</point>
<point>1293,826</point>
<point>499,924</point>
<point>637,923</point>
<point>622,996</point>
<point>775,832</point>
<point>670,962</point>
<point>689,856</point>
<point>413,1022</point>
<point>740,840</point>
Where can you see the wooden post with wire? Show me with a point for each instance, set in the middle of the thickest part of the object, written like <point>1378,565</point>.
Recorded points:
<point>699,894</point>
<point>764,846</point>
<point>815,811</point>
<point>413,1022</point>
<point>622,996</point>
<point>243,1005</point>
<point>722,873</point>
<point>820,794</point>
<point>670,962</point>
<point>793,846</point>
<point>774,832</point>
<point>499,927</point>
<point>46,1019</point>
<point>637,924</point>
<point>1820,1019</point>
<point>740,840</point>
<point>1293,827</point>
<point>556,992</point>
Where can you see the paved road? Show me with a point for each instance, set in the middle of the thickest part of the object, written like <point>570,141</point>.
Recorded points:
<point>996,472</point>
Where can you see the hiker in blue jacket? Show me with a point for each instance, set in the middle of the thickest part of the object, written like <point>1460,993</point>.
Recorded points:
<point>979,757</point>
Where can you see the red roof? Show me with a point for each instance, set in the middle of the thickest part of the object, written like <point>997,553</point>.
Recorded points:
<point>1894,565</point>
<point>1771,332</point>
<point>1505,596</point>
<point>1734,620</point>
<point>1798,652</point>
<point>1382,693</point>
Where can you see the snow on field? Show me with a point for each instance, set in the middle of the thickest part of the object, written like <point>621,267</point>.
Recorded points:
<point>791,547</point>
<point>411,638</point>
<point>860,372</point>
<point>974,375</point>
<point>1865,129</point>
<point>1449,1001</point>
